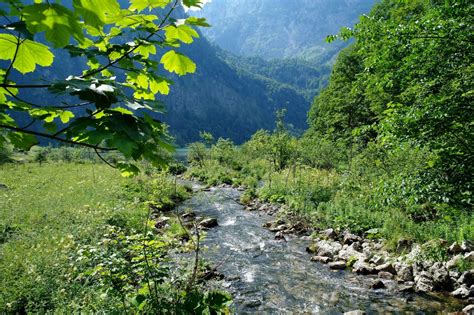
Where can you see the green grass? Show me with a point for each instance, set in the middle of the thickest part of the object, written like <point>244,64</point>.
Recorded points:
<point>45,212</point>
<point>73,240</point>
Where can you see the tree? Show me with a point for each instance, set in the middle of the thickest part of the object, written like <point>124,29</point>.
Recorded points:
<point>417,79</point>
<point>108,103</point>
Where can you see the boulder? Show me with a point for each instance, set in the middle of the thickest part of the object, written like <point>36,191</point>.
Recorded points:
<point>468,309</point>
<point>406,288</point>
<point>467,278</point>
<point>350,238</point>
<point>328,248</point>
<point>279,236</point>
<point>466,246</point>
<point>440,276</point>
<point>162,222</point>
<point>208,223</point>
<point>404,245</point>
<point>385,275</point>
<point>377,284</point>
<point>455,248</point>
<point>377,260</point>
<point>338,265</point>
<point>461,293</point>
<point>188,216</point>
<point>348,252</point>
<point>454,261</point>
<point>312,248</point>
<point>329,233</point>
<point>404,272</point>
<point>363,268</point>
<point>387,267</point>
<point>278,228</point>
<point>321,259</point>
<point>356,312</point>
<point>424,283</point>
<point>469,256</point>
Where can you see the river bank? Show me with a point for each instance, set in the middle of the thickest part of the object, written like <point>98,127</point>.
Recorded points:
<point>269,269</point>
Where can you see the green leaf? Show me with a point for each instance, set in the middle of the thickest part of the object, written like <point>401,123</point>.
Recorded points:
<point>184,33</point>
<point>22,140</point>
<point>58,23</point>
<point>140,5</point>
<point>192,20</point>
<point>178,63</point>
<point>127,169</point>
<point>192,3</point>
<point>97,13</point>
<point>29,53</point>
<point>65,116</point>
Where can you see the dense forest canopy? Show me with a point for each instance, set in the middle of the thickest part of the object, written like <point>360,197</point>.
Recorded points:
<point>408,80</point>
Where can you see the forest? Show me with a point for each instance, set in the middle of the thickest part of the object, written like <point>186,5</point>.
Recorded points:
<point>306,178</point>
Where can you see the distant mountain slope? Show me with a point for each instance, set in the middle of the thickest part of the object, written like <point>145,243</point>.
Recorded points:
<point>281,28</point>
<point>233,98</point>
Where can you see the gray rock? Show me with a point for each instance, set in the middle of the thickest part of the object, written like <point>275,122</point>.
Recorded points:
<point>387,267</point>
<point>404,272</point>
<point>357,246</point>
<point>454,275</point>
<point>414,253</point>
<point>328,248</point>
<point>466,246</point>
<point>468,309</point>
<point>347,252</point>
<point>385,275</point>
<point>278,228</point>
<point>306,238</point>
<point>424,282</point>
<point>208,223</point>
<point>469,256</point>
<point>3,186</point>
<point>350,238</point>
<point>406,288</point>
<point>377,260</point>
<point>162,222</point>
<point>329,233</point>
<point>312,248</point>
<point>467,278</point>
<point>404,245</point>
<point>337,265</point>
<point>363,268</point>
<point>453,261</point>
<point>377,284</point>
<point>321,259</point>
<point>356,312</point>
<point>440,276</point>
<point>279,236</point>
<point>455,248</point>
<point>188,216</point>
<point>461,293</point>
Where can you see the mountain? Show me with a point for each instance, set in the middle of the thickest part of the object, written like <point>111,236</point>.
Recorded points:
<point>233,97</point>
<point>281,28</point>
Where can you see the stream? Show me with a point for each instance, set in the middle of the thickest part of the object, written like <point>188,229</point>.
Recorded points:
<point>270,276</point>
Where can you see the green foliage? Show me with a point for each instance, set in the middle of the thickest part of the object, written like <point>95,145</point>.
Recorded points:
<point>110,105</point>
<point>197,153</point>
<point>90,254</point>
<point>404,81</point>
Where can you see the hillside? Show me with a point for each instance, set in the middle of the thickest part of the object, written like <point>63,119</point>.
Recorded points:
<point>280,28</point>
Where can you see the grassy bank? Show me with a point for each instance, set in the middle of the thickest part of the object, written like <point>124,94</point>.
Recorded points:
<point>76,238</point>
<point>378,193</point>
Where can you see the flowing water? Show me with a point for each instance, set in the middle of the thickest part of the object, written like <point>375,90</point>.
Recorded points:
<point>269,276</point>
